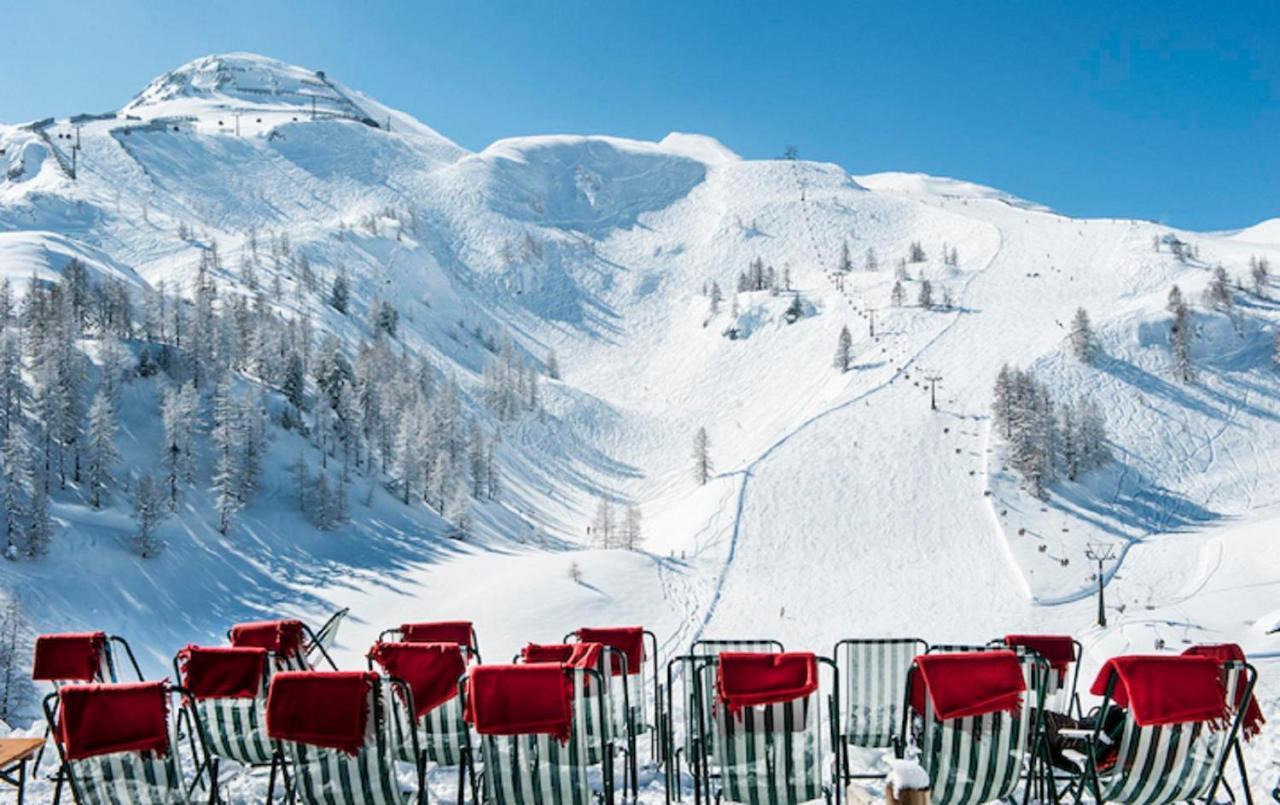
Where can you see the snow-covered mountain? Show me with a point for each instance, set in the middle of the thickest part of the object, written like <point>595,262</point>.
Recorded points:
<point>840,503</point>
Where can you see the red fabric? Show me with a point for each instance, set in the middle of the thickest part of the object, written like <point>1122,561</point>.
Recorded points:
<point>747,679</point>
<point>627,639</point>
<point>1058,650</point>
<point>968,684</point>
<point>1166,689</point>
<point>283,637</point>
<point>431,670</point>
<point>459,632</point>
<point>223,673</point>
<point>100,718</point>
<point>536,698</point>
<point>574,655</point>
<point>320,708</point>
<point>70,657</point>
<point>1231,652</point>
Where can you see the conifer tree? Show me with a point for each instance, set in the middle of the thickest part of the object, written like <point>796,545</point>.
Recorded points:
<point>702,466</point>
<point>1083,345</point>
<point>844,350</point>
<point>149,511</point>
<point>101,445</point>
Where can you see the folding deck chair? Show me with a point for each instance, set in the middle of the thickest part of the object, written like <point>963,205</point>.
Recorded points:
<point>334,727</point>
<point>1063,654</point>
<point>874,675</point>
<point>327,634</point>
<point>115,744</point>
<point>771,725</point>
<point>640,716</point>
<point>291,642</point>
<point>226,704</point>
<point>532,725</point>
<point>975,751</point>
<point>1166,759</point>
<point>73,658</point>
<point>462,633</point>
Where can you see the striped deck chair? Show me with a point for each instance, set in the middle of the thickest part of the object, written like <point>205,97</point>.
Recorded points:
<point>94,768</point>
<point>1168,763</point>
<point>637,711</point>
<point>1060,693</point>
<point>774,754</point>
<point>874,674</point>
<point>291,643</point>
<point>977,759</point>
<point>599,692</point>
<point>369,777</point>
<point>539,769</point>
<point>461,632</point>
<point>226,703</point>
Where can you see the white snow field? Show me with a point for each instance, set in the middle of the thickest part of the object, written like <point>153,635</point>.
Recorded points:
<point>841,504</point>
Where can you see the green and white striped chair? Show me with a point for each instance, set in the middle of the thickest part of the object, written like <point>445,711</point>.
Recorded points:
<point>1168,763</point>
<point>874,677</point>
<point>977,759</point>
<point>773,754</point>
<point>333,777</point>
<point>540,769</point>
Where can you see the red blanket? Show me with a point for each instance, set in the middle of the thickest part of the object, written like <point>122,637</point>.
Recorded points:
<point>968,684</point>
<point>320,708</point>
<point>459,632</point>
<point>1252,722</point>
<point>431,670</point>
<point>223,673</point>
<point>283,637</point>
<point>574,655</point>
<point>747,679</point>
<point>71,657</point>
<point>1058,650</point>
<point>1166,689</point>
<point>627,639</point>
<point>98,719</point>
<point>535,699</point>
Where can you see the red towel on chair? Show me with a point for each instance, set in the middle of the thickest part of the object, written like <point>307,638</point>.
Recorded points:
<point>1252,722</point>
<point>320,708</point>
<point>70,657</point>
<point>431,670</point>
<point>1166,689</point>
<point>223,673</point>
<point>101,718</point>
<point>627,639</point>
<point>969,683</point>
<point>574,655</point>
<point>747,679</point>
<point>534,699</point>
<point>1058,650</point>
<point>459,632</point>
<point>283,637</point>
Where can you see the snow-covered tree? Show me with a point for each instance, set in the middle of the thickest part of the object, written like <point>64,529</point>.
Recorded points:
<point>13,389</point>
<point>149,510</point>
<point>294,382</point>
<point>340,295</point>
<point>14,479</point>
<point>716,297</point>
<point>227,437</point>
<point>702,466</point>
<point>1218,294</point>
<point>915,253</point>
<point>1083,344</point>
<point>553,364</point>
<point>871,261</point>
<point>101,446</point>
<point>178,418</point>
<point>630,536</point>
<point>898,295</point>
<point>844,350</point>
<point>40,525</point>
<point>115,359</point>
<point>18,694</point>
<point>1259,274</point>
<point>926,295</point>
<point>846,262</point>
<point>1180,335</point>
<point>603,525</point>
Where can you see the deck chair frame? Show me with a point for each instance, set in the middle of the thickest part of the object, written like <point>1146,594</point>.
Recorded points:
<point>1073,694</point>
<point>395,636</point>
<point>846,649</point>
<point>302,662</point>
<point>656,744</point>
<point>323,638</point>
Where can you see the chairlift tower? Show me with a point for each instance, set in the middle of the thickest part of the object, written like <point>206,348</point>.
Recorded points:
<point>1101,553</point>
<point>934,380</point>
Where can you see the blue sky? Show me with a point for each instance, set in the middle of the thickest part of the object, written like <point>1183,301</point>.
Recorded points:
<point>1168,111</point>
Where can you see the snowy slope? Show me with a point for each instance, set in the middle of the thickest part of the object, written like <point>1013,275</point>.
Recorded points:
<point>841,506</point>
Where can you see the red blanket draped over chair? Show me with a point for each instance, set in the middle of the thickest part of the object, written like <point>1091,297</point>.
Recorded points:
<point>748,679</point>
<point>1166,689</point>
<point>431,670</point>
<point>534,699</point>
<point>459,632</point>
<point>283,637</point>
<point>627,639</point>
<point>222,672</point>
<point>1252,722</point>
<point>968,684</point>
<point>1058,650</point>
<point>98,719</point>
<point>68,657</point>
<point>575,655</point>
<point>320,708</point>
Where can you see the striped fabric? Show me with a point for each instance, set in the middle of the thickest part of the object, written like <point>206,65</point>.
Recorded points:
<point>235,729</point>
<point>443,735</point>
<point>700,685</point>
<point>1174,762</point>
<point>332,777</point>
<point>136,778</point>
<point>539,769</point>
<point>875,678</point>
<point>770,755</point>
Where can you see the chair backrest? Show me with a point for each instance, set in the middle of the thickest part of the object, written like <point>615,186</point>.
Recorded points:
<point>976,759</point>
<point>112,658</point>
<point>773,753</point>
<point>231,727</point>
<point>521,769</point>
<point>1060,688</point>
<point>1174,762</point>
<point>601,693</point>
<point>698,681</point>
<point>461,632</point>
<point>631,706</point>
<point>334,777</point>
<point>442,732</point>
<point>873,674</point>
